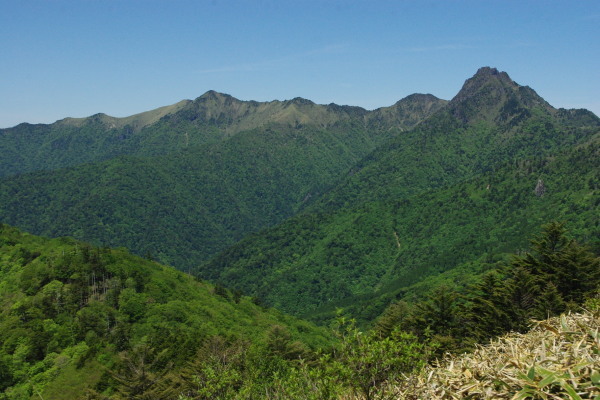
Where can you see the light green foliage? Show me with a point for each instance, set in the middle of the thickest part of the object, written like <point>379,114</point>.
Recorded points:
<point>86,311</point>
<point>413,223</point>
<point>363,364</point>
<point>370,364</point>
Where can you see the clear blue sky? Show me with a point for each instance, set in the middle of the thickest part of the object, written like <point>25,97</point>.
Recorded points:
<point>77,58</point>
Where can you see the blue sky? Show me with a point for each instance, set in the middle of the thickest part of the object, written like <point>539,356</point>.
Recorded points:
<point>77,58</point>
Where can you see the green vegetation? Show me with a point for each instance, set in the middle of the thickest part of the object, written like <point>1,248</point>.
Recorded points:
<point>186,205</point>
<point>505,123</point>
<point>438,204</point>
<point>405,230</point>
<point>210,118</point>
<point>72,313</point>
<point>555,275</point>
<point>82,322</point>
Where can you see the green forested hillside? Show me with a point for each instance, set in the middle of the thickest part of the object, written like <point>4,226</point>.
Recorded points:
<point>79,322</point>
<point>380,248</point>
<point>491,121</point>
<point>420,220</point>
<point>455,193</point>
<point>72,313</point>
<point>184,206</point>
<point>73,141</point>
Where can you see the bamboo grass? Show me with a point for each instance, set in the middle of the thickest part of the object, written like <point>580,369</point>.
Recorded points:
<point>558,359</point>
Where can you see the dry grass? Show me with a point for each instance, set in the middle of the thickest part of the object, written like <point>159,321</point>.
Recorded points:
<point>558,359</point>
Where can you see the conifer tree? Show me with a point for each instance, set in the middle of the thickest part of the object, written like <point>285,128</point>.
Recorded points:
<point>549,303</point>
<point>486,312</point>
<point>142,373</point>
<point>439,311</point>
<point>556,258</point>
<point>394,316</point>
<point>520,292</point>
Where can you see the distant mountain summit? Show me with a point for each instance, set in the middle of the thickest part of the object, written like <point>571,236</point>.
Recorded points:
<point>484,76</point>
<point>187,180</point>
<point>405,113</point>
<point>491,94</point>
<point>135,122</point>
<point>430,199</point>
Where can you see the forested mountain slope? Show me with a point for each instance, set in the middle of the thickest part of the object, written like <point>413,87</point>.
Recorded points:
<point>184,206</point>
<point>491,121</point>
<point>458,191</point>
<point>378,208</point>
<point>72,313</point>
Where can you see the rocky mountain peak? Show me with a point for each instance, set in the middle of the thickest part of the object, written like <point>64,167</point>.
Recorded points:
<point>485,77</point>
<point>212,95</point>
<point>299,101</point>
<point>491,92</point>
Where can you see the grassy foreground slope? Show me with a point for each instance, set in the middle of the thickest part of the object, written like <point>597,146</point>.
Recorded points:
<point>70,313</point>
<point>558,359</point>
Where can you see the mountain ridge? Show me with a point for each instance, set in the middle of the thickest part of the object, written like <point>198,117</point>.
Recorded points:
<point>210,118</point>
<point>505,124</point>
<point>492,87</point>
<point>230,184</point>
<point>137,121</point>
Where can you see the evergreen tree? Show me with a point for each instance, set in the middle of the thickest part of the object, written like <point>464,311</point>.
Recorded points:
<point>486,312</point>
<point>280,344</point>
<point>393,317</point>
<point>520,292</point>
<point>549,303</point>
<point>439,313</point>
<point>142,373</point>
<point>556,258</point>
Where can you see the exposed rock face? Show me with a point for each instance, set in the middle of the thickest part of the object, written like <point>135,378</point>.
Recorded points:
<point>540,189</point>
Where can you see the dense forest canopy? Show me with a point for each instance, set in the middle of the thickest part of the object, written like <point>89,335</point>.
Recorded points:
<point>409,234</point>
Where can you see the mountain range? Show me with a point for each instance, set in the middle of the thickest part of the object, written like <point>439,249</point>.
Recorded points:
<point>414,220</point>
<point>369,202</point>
<point>195,180</point>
